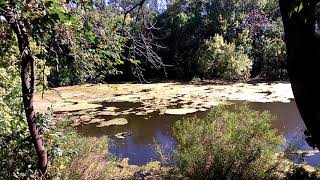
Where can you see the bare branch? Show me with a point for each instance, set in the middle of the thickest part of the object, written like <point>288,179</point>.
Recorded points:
<point>141,43</point>
<point>139,4</point>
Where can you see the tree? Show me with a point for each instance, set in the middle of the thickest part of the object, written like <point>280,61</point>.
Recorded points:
<point>28,83</point>
<point>251,25</point>
<point>31,19</point>
<point>303,54</point>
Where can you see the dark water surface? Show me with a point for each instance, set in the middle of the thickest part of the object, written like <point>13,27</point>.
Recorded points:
<point>147,129</point>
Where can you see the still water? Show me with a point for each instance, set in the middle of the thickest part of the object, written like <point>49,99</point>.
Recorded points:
<point>153,128</point>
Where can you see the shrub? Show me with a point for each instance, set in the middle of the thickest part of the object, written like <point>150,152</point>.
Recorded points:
<point>11,111</point>
<point>224,60</point>
<point>227,145</point>
<point>16,150</point>
<point>72,156</point>
<point>18,158</point>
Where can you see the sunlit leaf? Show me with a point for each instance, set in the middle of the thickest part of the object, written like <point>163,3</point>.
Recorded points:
<point>91,36</point>
<point>3,5</point>
<point>73,19</point>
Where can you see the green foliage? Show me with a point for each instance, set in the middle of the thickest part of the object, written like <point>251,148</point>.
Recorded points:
<point>75,43</point>
<point>151,166</point>
<point>269,53</point>
<point>224,60</point>
<point>76,157</point>
<point>3,5</point>
<point>71,156</point>
<point>81,44</point>
<point>16,150</point>
<point>273,60</point>
<point>11,114</point>
<point>227,145</point>
<point>87,51</point>
<point>186,26</point>
<point>18,157</point>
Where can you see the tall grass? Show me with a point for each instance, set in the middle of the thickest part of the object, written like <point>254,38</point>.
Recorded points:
<point>77,157</point>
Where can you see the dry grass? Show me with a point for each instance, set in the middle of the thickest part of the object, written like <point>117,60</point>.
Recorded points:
<point>90,163</point>
<point>87,161</point>
<point>90,167</point>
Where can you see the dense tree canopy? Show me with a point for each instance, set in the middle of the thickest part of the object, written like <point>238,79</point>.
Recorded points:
<point>254,27</point>
<point>88,41</point>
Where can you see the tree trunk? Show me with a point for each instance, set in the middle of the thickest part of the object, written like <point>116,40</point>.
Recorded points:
<point>303,59</point>
<point>28,87</point>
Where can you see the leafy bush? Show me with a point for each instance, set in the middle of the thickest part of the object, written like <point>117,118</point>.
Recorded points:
<point>18,158</point>
<point>227,145</point>
<point>70,156</point>
<point>224,60</point>
<point>74,157</point>
<point>11,114</point>
<point>16,150</point>
<point>187,24</point>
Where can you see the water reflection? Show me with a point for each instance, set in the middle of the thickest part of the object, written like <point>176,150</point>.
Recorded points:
<point>154,127</point>
<point>145,130</point>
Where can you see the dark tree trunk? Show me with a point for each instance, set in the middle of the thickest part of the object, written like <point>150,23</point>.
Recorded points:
<point>303,59</point>
<point>28,86</point>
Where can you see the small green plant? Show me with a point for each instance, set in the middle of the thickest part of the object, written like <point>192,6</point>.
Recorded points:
<point>160,151</point>
<point>151,166</point>
<point>17,155</point>
<point>224,60</point>
<point>227,145</point>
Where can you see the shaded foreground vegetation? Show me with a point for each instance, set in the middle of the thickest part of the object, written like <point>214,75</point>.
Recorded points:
<point>70,155</point>
<point>225,145</point>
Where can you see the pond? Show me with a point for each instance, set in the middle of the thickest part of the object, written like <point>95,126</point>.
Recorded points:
<point>146,130</point>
